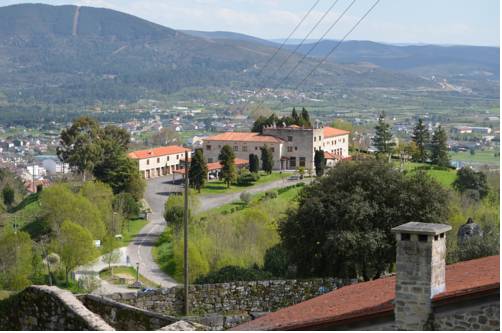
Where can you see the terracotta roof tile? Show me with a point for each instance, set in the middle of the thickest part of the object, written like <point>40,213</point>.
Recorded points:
<point>158,151</point>
<point>331,131</point>
<point>244,136</point>
<point>373,297</point>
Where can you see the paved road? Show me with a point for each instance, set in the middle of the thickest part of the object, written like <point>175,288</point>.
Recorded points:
<point>158,189</point>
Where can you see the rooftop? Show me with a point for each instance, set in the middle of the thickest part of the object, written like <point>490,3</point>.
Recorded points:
<point>362,300</point>
<point>158,151</point>
<point>244,136</point>
<point>422,228</point>
<point>331,131</point>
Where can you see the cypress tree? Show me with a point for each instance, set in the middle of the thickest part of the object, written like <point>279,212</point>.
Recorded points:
<point>439,153</point>
<point>295,117</point>
<point>267,159</point>
<point>254,163</point>
<point>227,160</point>
<point>305,118</point>
<point>197,174</point>
<point>319,162</point>
<point>421,138</point>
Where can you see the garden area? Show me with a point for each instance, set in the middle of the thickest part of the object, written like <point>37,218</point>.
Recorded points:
<point>237,234</point>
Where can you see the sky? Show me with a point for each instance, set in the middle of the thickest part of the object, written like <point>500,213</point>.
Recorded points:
<point>469,22</point>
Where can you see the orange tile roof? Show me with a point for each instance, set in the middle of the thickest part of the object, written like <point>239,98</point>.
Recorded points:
<point>217,165</point>
<point>244,136</point>
<point>364,299</point>
<point>158,151</point>
<point>331,131</point>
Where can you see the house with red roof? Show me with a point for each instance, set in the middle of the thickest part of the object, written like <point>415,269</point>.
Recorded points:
<point>159,161</point>
<point>424,294</point>
<point>292,146</point>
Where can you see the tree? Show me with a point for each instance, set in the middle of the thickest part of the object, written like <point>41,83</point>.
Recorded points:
<point>439,145</point>
<point>421,139</point>
<point>197,174</point>
<point>80,145</point>
<point>125,204</point>
<point>276,261</point>
<point>111,254</point>
<point>101,195</point>
<point>75,246</point>
<point>254,163</point>
<point>383,136</point>
<point>295,117</point>
<point>342,124</point>
<point>16,260</point>
<point>342,226</point>
<point>319,162</point>
<point>267,159</point>
<point>173,211</point>
<point>227,160</point>
<point>60,204</point>
<point>470,180</point>
<point>305,119</point>
<point>8,196</point>
<point>166,137</point>
<point>258,124</point>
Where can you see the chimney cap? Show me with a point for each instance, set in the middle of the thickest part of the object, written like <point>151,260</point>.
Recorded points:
<point>421,228</point>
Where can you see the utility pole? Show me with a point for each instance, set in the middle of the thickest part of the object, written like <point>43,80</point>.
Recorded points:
<point>185,235</point>
<point>33,178</point>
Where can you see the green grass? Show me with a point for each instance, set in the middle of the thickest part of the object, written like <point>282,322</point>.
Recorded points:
<point>135,227</point>
<point>24,214</point>
<point>219,187</point>
<point>481,157</point>
<point>4,294</point>
<point>445,177</point>
<point>127,271</point>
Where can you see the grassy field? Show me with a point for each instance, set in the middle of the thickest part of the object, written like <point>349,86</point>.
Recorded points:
<point>480,157</point>
<point>219,187</point>
<point>127,273</point>
<point>444,177</point>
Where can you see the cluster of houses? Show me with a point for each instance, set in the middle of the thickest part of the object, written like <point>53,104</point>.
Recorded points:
<point>292,147</point>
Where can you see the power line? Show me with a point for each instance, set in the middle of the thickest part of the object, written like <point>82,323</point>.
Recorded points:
<point>316,44</point>
<point>305,38</point>
<point>288,38</point>
<point>338,44</point>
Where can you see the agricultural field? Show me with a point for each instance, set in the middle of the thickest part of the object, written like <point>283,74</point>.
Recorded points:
<point>490,157</point>
<point>445,177</point>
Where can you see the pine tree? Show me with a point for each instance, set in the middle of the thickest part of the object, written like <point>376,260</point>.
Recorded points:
<point>198,170</point>
<point>439,153</point>
<point>383,136</point>
<point>254,163</point>
<point>227,160</point>
<point>267,159</point>
<point>421,138</point>
<point>319,162</point>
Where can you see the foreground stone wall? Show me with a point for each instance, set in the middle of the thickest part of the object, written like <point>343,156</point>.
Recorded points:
<point>253,296</point>
<point>125,317</point>
<point>476,316</point>
<point>44,308</point>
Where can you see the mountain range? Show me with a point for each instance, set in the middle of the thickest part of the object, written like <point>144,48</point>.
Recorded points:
<point>82,55</point>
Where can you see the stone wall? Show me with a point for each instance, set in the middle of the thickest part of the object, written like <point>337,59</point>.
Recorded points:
<point>472,316</point>
<point>125,317</point>
<point>44,308</point>
<point>235,297</point>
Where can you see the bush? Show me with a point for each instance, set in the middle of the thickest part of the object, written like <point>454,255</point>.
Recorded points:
<point>234,273</point>
<point>246,197</point>
<point>271,194</point>
<point>276,261</point>
<point>247,178</point>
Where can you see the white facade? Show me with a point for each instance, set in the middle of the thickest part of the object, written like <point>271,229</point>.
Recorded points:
<point>159,161</point>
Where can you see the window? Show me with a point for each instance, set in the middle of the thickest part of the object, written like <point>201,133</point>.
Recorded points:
<point>208,147</point>
<point>343,140</point>
<point>272,149</point>
<point>319,138</point>
<point>292,162</point>
<point>236,148</point>
<point>290,138</point>
<point>209,160</point>
<point>244,148</point>
<point>290,149</point>
<point>158,159</point>
<point>315,138</point>
<point>255,148</point>
<point>302,161</point>
<point>422,238</point>
<point>168,158</point>
<point>177,157</point>
<point>147,162</point>
<point>219,146</point>
<point>405,237</point>
<point>296,148</point>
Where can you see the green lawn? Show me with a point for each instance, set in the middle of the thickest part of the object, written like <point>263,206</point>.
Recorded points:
<point>127,273</point>
<point>135,227</point>
<point>219,187</point>
<point>444,177</point>
<point>481,157</point>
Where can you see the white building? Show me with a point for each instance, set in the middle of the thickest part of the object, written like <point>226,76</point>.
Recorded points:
<point>159,161</point>
<point>292,146</point>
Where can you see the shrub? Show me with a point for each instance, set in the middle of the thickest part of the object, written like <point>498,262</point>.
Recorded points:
<point>271,194</point>
<point>246,197</point>
<point>247,178</point>
<point>234,273</point>
<point>276,261</point>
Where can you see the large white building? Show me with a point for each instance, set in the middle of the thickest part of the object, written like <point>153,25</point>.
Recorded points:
<point>292,146</point>
<point>159,161</point>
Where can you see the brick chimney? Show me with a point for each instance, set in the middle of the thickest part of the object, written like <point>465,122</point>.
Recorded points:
<point>420,272</point>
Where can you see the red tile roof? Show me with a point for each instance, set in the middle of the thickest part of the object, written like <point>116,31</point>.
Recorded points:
<point>244,136</point>
<point>331,131</point>
<point>155,152</point>
<point>364,299</point>
<point>217,165</point>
